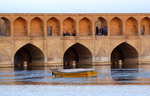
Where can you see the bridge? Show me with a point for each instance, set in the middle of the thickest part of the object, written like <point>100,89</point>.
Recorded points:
<point>117,39</point>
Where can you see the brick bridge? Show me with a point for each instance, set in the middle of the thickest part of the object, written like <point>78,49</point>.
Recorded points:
<point>67,39</point>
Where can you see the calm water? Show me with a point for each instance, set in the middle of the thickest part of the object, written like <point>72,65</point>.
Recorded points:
<point>43,75</point>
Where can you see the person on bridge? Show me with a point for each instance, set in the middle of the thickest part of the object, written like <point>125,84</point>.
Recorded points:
<point>105,30</point>
<point>50,31</point>
<point>97,31</point>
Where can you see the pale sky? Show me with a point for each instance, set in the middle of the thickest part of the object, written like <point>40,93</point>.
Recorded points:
<point>74,6</point>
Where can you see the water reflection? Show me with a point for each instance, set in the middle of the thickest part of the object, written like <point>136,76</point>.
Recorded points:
<point>125,72</point>
<point>107,75</point>
<point>20,68</point>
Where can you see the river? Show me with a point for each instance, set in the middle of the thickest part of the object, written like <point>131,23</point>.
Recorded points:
<point>113,82</point>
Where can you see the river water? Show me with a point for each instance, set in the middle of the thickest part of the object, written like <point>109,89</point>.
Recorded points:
<point>43,75</point>
<point>39,81</point>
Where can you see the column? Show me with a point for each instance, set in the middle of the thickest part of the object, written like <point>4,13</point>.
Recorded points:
<point>28,25</point>
<point>61,25</point>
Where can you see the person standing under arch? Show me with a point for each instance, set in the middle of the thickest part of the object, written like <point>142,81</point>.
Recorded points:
<point>50,31</point>
<point>142,30</point>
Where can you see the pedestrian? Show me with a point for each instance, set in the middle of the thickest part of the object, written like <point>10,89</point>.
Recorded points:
<point>105,30</point>
<point>97,30</point>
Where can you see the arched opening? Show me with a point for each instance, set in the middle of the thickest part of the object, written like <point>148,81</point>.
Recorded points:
<point>85,27</point>
<point>124,60</point>
<point>53,27</point>
<point>77,56</point>
<point>145,26</point>
<point>131,26</point>
<point>4,27</point>
<point>29,55</point>
<point>20,27</point>
<point>37,27</point>
<point>116,28</point>
<point>69,27</point>
<point>99,27</point>
<point>124,56</point>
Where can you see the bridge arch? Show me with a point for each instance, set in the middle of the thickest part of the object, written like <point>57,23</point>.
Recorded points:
<point>36,27</point>
<point>101,22</point>
<point>131,25</point>
<point>20,27</point>
<point>77,56</point>
<point>5,27</point>
<point>29,54</point>
<point>69,26</point>
<point>124,56</point>
<point>85,27</point>
<point>53,27</point>
<point>145,29</point>
<point>116,27</point>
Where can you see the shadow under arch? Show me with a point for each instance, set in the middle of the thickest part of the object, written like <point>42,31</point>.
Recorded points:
<point>29,56</point>
<point>124,56</point>
<point>77,56</point>
<point>125,65</point>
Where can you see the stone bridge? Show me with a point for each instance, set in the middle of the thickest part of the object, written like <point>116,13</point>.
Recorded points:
<point>68,39</point>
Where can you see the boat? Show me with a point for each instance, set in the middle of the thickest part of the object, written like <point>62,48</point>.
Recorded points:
<point>80,72</point>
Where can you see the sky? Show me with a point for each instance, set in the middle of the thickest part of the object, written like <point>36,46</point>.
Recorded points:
<point>74,6</point>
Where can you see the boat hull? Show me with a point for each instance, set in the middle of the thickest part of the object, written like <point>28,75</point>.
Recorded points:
<point>74,74</point>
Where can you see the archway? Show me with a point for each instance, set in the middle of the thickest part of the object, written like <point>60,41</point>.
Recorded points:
<point>131,26</point>
<point>20,27</point>
<point>36,27</point>
<point>29,55</point>
<point>53,27</point>
<point>69,26</point>
<point>85,27</point>
<point>124,56</point>
<point>145,23</point>
<point>4,27</point>
<point>77,56</point>
<point>116,28</point>
<point>99,25</point>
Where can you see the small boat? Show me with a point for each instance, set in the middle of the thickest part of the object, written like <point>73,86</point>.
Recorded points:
<point>74,72</point>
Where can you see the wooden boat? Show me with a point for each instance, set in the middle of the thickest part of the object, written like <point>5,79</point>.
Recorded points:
<point>74,72</point>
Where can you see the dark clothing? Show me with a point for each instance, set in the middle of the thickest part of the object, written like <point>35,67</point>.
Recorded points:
<point>50,31</point>
<point>105,30</point>
<point>142,30</point>
<point>97,31</point>
<point>100,31</point>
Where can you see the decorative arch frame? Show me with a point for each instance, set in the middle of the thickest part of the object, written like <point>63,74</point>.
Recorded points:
<point>22,27</point>
<point>69,26</point>
<point>53,29</point>
<point>131,27</point>
<point>7,27</point>
<point>36,27</point>
<point>85,30</point>
<point>116,29</point>
<point>145,26</point>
